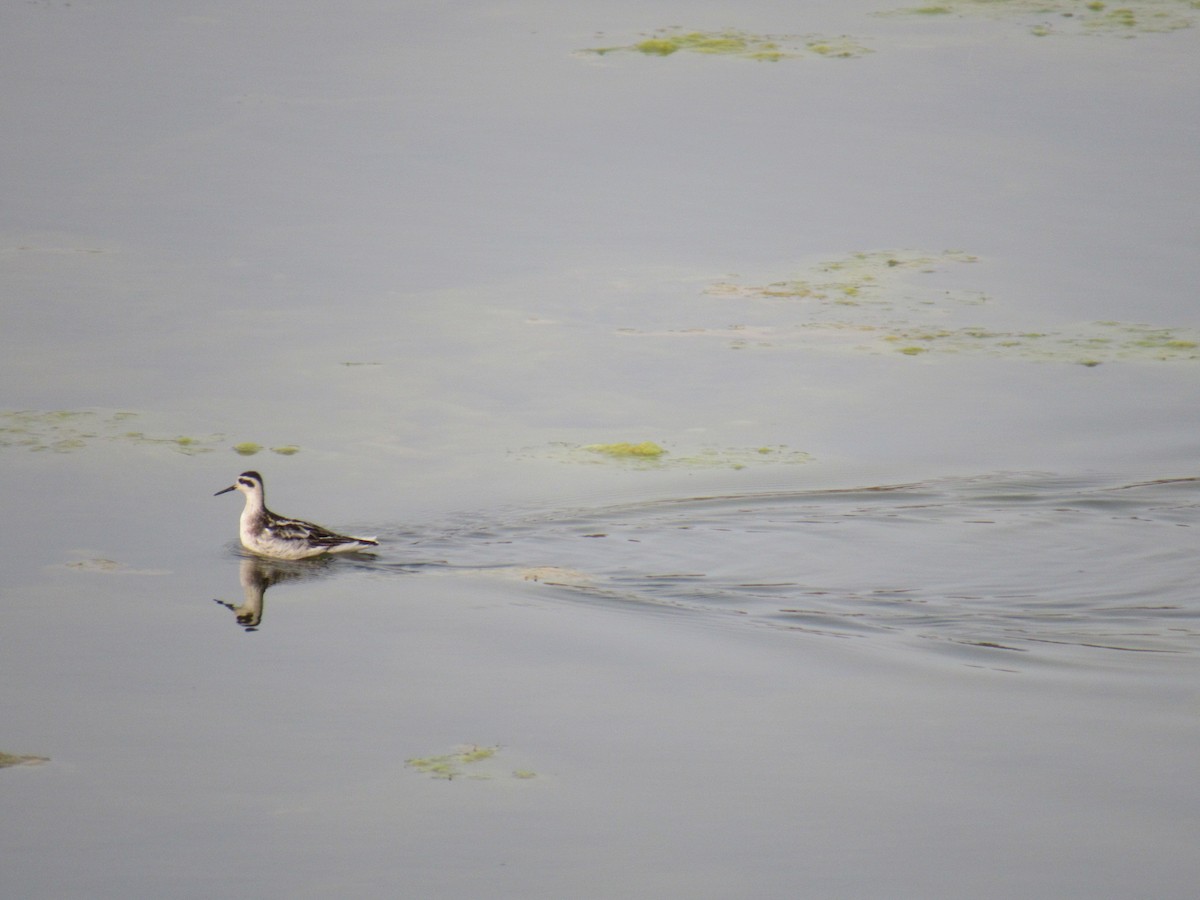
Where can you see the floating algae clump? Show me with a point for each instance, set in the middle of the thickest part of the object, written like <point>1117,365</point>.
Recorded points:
<point>450,765</point>
<point>861,279</point>
<point>731,42</point>
<point>902,302</point>
<point>644,450</point>
<point>1057,17</point>
<point>66,431</point>
<point>249,448</point>
<point>1088,344</point>
<point>697,41</point>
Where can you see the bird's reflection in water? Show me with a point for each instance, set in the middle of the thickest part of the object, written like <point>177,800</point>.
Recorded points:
<point>257,574</point>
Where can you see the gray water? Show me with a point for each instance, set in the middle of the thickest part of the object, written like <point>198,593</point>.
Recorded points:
<point>904,606</point>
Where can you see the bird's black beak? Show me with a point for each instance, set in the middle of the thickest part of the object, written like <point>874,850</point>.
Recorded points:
<point>225,491</point>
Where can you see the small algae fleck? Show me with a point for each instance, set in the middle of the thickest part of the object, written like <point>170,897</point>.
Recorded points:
<point>644,450</point>
<point>475,754</point>
<point>724,43</point>
<point>658,457</point>
<point>740,44</point>
<point>1072,16</point>
<point>101,565</point>
<point>247,448</point>
<point>449,766</point>
<point>286,450</point>
<point>14,759</point>
<point>97,564</point>
<point>183,443</point>
<point>837,48</point>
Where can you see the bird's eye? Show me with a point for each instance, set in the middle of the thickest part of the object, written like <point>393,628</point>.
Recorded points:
<point>246,482</point>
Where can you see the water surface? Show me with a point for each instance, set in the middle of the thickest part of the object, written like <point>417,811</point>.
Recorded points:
<point>904,608</point>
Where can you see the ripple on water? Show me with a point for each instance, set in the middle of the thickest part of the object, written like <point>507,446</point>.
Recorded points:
<point>1016,565</point>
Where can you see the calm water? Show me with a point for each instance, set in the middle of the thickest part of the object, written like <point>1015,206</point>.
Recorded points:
<point>904,608</point>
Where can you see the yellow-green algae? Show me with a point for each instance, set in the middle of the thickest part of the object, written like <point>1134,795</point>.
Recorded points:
<point>905,302</point>
<point>740,44</point>
<point>696,457</point>
<point>1086,343</point>
<point>449,766</point>
<point>249,448</point>
<point>15,759</point>
<point>644,450</point>
<point>70,430</point>
<point>66,431</point>
<point>861,279</point>
<point>1061,17</point>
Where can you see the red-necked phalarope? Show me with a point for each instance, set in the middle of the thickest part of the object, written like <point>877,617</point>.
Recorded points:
<point>267,534</point>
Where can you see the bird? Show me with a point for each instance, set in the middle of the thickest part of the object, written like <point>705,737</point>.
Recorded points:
<point>278,537</point>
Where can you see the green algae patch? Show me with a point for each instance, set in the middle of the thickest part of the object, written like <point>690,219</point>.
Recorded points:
<point>15,759</point>
<point>1086,344</point>
<point>836,47</point>
<point>909,303</point>
<point>68,431</point>
<point>1044,18</point>
<point>860,279</point>
<point>464,762</point>
<point>249,448</point>
<point>644,450</point>
<point>739,44</point>
<point>728,43</point>
<point>186,444</point>
<point>58,431</point>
